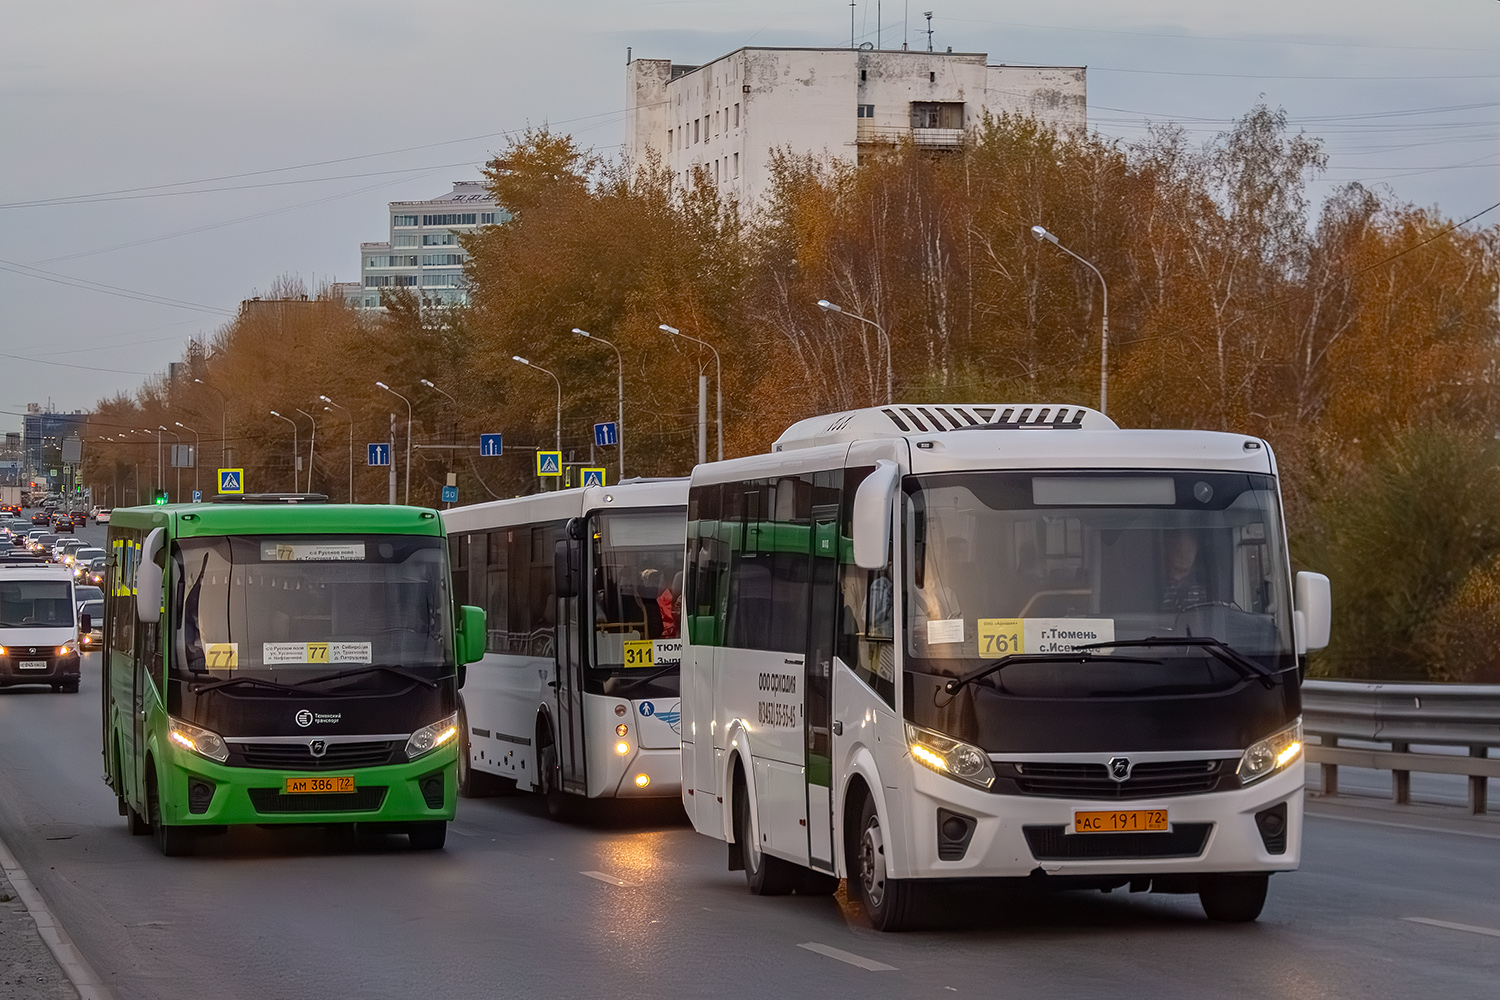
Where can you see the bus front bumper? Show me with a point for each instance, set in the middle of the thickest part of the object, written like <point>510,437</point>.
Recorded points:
<point>201,792</point>
<point>1017,835</point>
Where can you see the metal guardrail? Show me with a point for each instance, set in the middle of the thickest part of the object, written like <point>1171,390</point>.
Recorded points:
<point>1461,715</point>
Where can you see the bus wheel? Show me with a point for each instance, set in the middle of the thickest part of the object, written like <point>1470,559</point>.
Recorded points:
<point>468,781</point>
<point>766,876</point>
<point>428,836</point>
<point>890,903</point>
<point>549,776</point>
<point>172,841</point>
<point>1234,899</point>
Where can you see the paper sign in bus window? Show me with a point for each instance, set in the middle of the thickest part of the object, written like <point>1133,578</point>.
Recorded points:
<point>316,653</point>
<point>312,551</point>
<point>945,630</point>
<point>1004,636</point>
<point>222,655</point>
<point>640,652</point>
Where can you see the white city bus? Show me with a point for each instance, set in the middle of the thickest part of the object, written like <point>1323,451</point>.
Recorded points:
<point>588,707</point>
<point>938,642</point>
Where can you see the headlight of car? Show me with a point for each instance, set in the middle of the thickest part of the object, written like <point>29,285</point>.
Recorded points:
<point>1271,754</point>
<point>429,738</point>
<point>204,742</point>
<point>68,648</point>
<point>948,756</point>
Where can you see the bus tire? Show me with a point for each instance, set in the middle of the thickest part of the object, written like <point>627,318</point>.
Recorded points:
<point>172,841</point>
<point>765,875</point>
<point>890,903</point>
<point>1233,899</point>
<point>471,784</point>
<point>429,835</point>
<point>549,775</point>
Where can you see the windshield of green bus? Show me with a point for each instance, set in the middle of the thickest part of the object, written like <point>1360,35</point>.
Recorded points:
<point>1001,563</point>
<point>637,588</point>
<point>299,605</point>
<point>36,604</point>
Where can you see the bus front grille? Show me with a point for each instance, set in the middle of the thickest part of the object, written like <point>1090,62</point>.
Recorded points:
<point>271,801</point>
<point>298,757</point>
<point>1054,843</point>
<point>1147,780</point>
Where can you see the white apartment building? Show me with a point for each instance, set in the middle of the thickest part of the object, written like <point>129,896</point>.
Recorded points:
<point>422,253</point>
<point>728,115</point>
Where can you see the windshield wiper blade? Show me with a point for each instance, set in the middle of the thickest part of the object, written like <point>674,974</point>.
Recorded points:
<point>1217,648</point>
<point>232,681</point>
<point>398,671</point>
<point>632,681</point>
<point>953,686</point>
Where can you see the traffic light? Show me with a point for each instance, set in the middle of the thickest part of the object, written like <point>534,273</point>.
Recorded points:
<point>159,497</point>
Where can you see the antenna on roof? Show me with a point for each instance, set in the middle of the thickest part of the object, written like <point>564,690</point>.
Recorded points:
<point>928,14</point>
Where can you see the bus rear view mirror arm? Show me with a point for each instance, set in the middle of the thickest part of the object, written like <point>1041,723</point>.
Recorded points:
<point>1315,609</point>
<point>872,516</point>
<point>148,579</point>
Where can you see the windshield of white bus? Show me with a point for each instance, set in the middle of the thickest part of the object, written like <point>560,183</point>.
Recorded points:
<point>36,604</point>
<point>1001,563</point>
<point>637,588</point>
<point>299,605</point>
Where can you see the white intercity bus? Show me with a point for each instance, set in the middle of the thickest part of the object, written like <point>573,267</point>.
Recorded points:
<point>577,695</point>
<point>993,641</point>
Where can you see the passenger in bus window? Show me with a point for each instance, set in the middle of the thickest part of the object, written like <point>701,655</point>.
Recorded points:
<point>670,603</point>
<point>1184,576</point>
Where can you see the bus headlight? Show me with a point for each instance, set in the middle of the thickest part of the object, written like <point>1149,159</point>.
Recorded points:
<point>948,756</point>
<point>1271,754</point>
<point>204,742</point>
<point>429,738</point>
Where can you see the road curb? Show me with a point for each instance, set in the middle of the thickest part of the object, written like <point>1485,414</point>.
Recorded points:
<point>83,977</point>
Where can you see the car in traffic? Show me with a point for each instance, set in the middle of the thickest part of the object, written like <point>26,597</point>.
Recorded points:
<point>62,525</point>
<point>101,516</point>
<point>63,549</point>
<point>41,517</point>
<point>39,634</point>
<point>80,517</point>
<point>94,638</point>
<point>83,562</point>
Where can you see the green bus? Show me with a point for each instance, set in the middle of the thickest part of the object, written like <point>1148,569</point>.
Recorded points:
<point>282,660</point>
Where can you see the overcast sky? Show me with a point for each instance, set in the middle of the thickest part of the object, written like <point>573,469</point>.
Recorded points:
<point>101,98</point>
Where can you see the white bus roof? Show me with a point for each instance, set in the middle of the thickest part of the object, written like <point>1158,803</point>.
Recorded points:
<point>34,571</point>
<point>538,507</point>
<point>903,419</point>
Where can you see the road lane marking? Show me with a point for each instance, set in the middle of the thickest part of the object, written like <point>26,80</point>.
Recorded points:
<point>829,951</point>
<point>84,979</point>
<point>1403,826</point>
<point>1450,925</point>
<point>611,880</point>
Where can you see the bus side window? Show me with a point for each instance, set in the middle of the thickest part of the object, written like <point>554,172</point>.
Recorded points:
<point>700,597</point>
<point>495,603</point>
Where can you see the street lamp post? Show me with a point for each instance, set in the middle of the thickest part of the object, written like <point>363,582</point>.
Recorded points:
<point>196,453</point>
<point>295,448</point>
<point>453,435</point>
<point>558,440</point>
<point>403,399</point>
<point>718,385</point>
<point>312,444</point>
<point>1042,234</point>
<point>330,408</point>
<point>619,396</point>
<point>885,341</point>
<point>178,493</point>
<point>223,421</point>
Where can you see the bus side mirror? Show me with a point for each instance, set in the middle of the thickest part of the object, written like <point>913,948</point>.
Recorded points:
<point>1315,609</point>
<point>565,568</point>
<point>872,516</point>
<point>471,635</point>
<point>85,623</point>
<point>148,579</point>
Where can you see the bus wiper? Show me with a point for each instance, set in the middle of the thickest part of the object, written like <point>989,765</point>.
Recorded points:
<point>632,681</point>
<point>232,681</point>
<point>1217,648</point>
<point>398,671</point>
<point>953,686</point>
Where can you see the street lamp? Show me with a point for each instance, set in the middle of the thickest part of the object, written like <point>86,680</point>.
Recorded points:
<point>453,437</point>
<point>330,408</point>
<point>619,396</point>
<point>196,453</point>
<point>718,387</point>
<point>178,495</point>
<point>223,421</point>
<point>1042,234</point>
<point>558,440</point>
<point>403,399</point>
<point>312,444</point>
<point>885,340</point>
<point>295,448</point>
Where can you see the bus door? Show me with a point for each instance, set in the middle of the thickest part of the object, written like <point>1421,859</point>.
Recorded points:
<point>140,684</point>
<point>569,684</point>
<point>823,619</point>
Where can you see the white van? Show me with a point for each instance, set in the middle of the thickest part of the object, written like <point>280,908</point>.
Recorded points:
<point>39,626</point>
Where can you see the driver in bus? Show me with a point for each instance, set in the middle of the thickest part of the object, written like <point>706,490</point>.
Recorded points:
<point>1184,576</point>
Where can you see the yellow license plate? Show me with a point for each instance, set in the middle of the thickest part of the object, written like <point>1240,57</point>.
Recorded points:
<point>1121,821</point>
<point>334,783</point>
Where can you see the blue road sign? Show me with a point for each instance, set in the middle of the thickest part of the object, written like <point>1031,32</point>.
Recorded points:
<point>450,494</point>
<point>231,481</point>
<point>379,453</point>
<point>549,463</point>
<point>593,477</point>
<point>606,435</point>
<point>197,496</point>
<point>490,445</point>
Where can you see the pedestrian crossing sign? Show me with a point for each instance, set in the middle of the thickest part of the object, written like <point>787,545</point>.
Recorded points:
<point>593,477</point>
<point>231,482</point>
<point>549,463</point>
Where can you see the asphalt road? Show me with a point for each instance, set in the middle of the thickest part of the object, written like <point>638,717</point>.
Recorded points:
<point>521,906</point>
